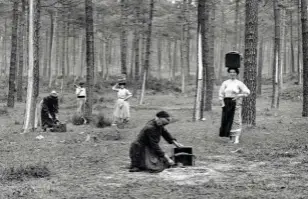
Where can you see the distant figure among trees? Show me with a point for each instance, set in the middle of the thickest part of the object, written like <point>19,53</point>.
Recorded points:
<point>81,100</point>
<point>121,110</point>
<point>145,152</point>
<point>49,111</point>
<point>231,93</point>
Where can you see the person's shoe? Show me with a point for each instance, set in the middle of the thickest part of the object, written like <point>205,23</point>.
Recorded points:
<point>237,139</point>
<point>134,169</point>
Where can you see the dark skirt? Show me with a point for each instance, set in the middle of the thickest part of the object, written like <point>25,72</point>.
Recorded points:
<point>47,122</point>
<point>227,117</point>
<point>143,157</point>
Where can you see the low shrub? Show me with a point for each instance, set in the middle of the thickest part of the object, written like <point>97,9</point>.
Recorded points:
<point>77,119</point>
<point>22,172</point>
<point>101,121</point>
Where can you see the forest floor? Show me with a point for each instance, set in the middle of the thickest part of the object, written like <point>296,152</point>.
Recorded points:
<point>87,162</point>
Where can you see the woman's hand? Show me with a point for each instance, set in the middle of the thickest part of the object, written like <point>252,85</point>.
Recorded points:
<point>237,96</point>
<point>222,103</point>
<point>169,160</point>
<point>178,145</point>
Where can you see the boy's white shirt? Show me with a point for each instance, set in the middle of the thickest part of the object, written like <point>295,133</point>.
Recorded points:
<point>80,91</point>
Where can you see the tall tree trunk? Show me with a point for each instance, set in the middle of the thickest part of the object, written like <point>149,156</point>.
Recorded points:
<point>174,67</point>
<point>67,46</point>
<point>198,94</point>
<point>31,100</point>
<point>170,58</point>
<point>210,71</point>
<point>159,41</point>
<point>283,47</point>
<point>21,53</point>
<point>5,47</point>
<point>260,66</point>
<point>277,56</point>
<point>292,45</point>
<point>74,52</point>
<point>13,62</point>
<point>236,24</point>
<point>223,42</point>
<point>36,35</point>
<point>305,57</point>
<point>90,57</point>
<point>299,58</point>
<point>250,71</point>
<point>123,36</point>
<point>148,52</point>
<point>203,13</point>
<point>183,58</point>
<point>46,55</point>
<point>53,48</point>
<point>136,45</point>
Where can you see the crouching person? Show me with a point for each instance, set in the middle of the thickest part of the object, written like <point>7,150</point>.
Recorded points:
<point>145,152</point>
<point>49,111</point>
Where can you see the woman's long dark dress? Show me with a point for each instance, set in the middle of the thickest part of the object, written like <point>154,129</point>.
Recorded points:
<point>49,106</point>
<point>145,152</point>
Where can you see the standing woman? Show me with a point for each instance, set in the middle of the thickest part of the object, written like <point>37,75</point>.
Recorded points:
<point>81,100</point>
<point>231,93</point>
<point>121,109</point>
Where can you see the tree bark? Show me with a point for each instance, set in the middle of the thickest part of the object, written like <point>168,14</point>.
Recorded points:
<point>21,53</point>
<point>299,57</point>
<point>123,36</point>
<point>90,57</point>
<point>260,66</point>
<point>277,56</point>
<point>292,44</point>
<point>148,52</point>
<point>210,71</point>
<point>53,49</point>
<point>305,56</point>
<point>250,71</point>
<point>13,62</point>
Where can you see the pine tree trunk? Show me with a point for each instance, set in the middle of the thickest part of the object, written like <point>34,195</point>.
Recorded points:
<point>292,44</point>
<point>90,57</point>
<point>236,24</point>
<point>67,46</point>
<point>123,36</point>
<point>159,75</point>
<point>305,56</point>
<point>31,100</point>
<point>36,67</point>
<point>250,71</point>
<point>299,58</point>
<point>21,53</point>
<point>13,62</point>
<point>170,58</point>
<point>46,55</point>
<point>210,71</point>
<point>223,42</point>
<point>260,66</point>
<point>136,46</point>
<point>203,21</point>
<point>277,58</point>
<point>148,51</point>
<point>5,47</point>
<point>53,46</point>
<point>199,72</point>
<point>174,67</point>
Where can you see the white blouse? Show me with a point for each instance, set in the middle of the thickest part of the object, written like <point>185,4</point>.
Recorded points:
<point>123,93</point>
<point>80,91</point>
<point>231,88</point>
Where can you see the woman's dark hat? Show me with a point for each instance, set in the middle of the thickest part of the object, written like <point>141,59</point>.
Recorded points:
<point>162,114</point>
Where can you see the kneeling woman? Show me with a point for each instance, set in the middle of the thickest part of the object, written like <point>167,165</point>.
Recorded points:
<point>145,152</point>
<point>231,93</point>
